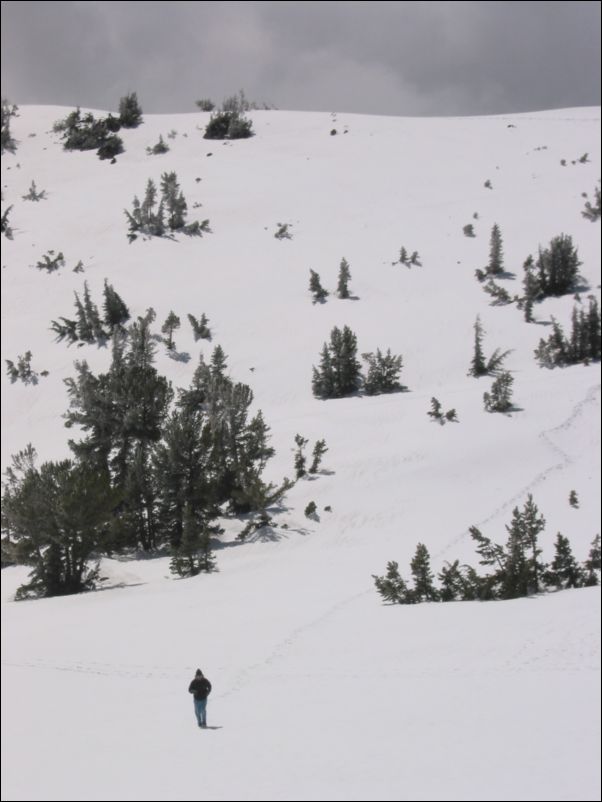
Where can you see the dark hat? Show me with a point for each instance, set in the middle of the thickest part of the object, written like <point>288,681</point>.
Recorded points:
<point>199,673</point>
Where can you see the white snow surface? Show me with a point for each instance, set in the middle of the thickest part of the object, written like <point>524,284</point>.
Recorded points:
<point>319,690</point>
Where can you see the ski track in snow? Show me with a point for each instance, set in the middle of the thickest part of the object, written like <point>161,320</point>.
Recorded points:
<point>591,397</point>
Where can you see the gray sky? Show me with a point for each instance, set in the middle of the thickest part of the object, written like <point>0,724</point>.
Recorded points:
<point>402,58</point>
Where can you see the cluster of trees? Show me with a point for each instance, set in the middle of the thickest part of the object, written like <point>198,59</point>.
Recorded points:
<point>150,470</point>
<point>437,414</point>
<point>230,122</point>
<point>85,132</point>
<point>154,219</point>
<point>583,346</point>
<point>89,326</point>
<point>339,373</point>
<point>318,452</point>
<point>515,570</point>
<point>318,291</point>
<point>408,260</point>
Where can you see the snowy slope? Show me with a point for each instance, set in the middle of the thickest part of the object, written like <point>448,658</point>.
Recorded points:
<point>320,691</point>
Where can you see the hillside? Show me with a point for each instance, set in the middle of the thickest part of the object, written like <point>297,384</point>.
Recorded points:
<point>320,691</point>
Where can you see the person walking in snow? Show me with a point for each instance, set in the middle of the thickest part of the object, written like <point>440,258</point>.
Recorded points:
<point>201,688</point>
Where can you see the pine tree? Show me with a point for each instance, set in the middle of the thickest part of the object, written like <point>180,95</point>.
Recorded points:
<point>424,589</point>
<point>116,312</point>
<point>531,287</point>
<point>323,381</point>
<point>173,199</point>
<point>573,499</point>
<point>592,564</point>
<point>343,283</point>
<point>478,366</point>
<point>317,454</point>
<point>500,397</point>
<point>200,328</point>
<point>564,572</point>
<point>172,322</point>
<point>495,265</point>
<point>452,582</point>
<point>315,287</point>
<point>392,587</point>
<point>218,362</point>
<point>435,411</point>
<point>383,373</point>
<point>56,515</point>
<point>339,372</point>
<point>301,442</point>
<point>558,267</point>
<point>130,112</point>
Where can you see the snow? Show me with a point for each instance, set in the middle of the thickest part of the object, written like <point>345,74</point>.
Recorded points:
<point>320,691</point>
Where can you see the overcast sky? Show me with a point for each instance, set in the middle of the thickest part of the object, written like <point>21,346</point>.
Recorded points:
<point>401,58</point>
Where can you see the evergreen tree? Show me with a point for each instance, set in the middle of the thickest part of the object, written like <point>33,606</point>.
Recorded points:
<point>323,381</point>
<point>495,265</point>
<point>56,515</point>
<point>478,366</point>
<point>500,397</point>
<point>7,141</point>
<point>531,287</point>
<point>116,312</point>
<point>592,564</point>
<point>383,373</point>
<point>343,282</point>
<point>200,328</point>
<point>573,499</point>
<point>174,202</point>
<point>218,362</point>
<point>392,587</point>
<point>130,112</point>
<point>564,572</point>
<point>92,317</point>
<point>339,373</point>
<point>436,412</point>
<point>452,582</point>
<point>300,442</point>
<point>317,454</point>
<point>316,288</point>
<point>172,322</point>
<point>424,589</point>
<point>558,267</point>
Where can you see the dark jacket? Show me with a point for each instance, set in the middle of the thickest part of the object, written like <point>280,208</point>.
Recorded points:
<point>200,687</point>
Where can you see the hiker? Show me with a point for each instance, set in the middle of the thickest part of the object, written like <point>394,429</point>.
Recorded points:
<point>201,688</point>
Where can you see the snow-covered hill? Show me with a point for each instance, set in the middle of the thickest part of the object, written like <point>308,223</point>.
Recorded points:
<point>320,691</point>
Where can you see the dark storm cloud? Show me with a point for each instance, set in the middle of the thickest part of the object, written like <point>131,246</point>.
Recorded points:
<point>376,57</point>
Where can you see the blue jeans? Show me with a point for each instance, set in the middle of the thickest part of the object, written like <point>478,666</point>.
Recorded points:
<point>200,709</point>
